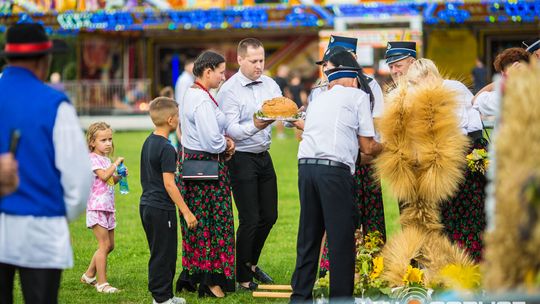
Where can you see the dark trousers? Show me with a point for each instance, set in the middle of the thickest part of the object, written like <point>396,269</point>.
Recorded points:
<point>326,202</point>
<point>254,185</point>
<point>38,285</point>
<point>161,231</point>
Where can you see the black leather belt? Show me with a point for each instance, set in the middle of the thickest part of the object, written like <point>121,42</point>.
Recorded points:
<point>253,154</point>
<point>207,154</point>
<point>323,162</point>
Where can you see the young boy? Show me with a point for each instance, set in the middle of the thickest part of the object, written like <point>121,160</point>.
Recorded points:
<point>158,200</point>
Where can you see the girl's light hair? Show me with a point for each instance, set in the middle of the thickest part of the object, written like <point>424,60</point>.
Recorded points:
<point>91,133</point>
<point>421,69</point>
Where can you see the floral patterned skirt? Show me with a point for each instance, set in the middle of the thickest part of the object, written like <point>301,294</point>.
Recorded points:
<point>463,216</point>
<point>208,250</point>
<point>369,201</point>
<point>369,204</point>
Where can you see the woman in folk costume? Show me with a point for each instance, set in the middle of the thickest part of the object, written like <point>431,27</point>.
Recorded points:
<point>368,192</point>
<point>208,256</point>
<point>368,189</point>
<point>422,163</point>
<point>463,215</point>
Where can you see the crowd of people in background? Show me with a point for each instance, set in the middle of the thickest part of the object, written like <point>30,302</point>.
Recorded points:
<point>219,133</point>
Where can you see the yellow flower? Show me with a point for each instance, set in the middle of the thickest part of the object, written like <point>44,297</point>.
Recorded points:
<point>461,277</point>
<point>477,161</point>
<point>530,279</point>
<point>373,241</point>
<point>378,266</point>
<point>413,275</point>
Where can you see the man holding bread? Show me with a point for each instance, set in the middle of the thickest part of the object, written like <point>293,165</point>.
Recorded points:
<point>253,177</point>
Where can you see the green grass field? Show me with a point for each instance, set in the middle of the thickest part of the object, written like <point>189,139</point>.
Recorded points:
<point>127,264</point>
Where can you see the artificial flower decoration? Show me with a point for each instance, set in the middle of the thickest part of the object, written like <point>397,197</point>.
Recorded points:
<point>478,161</point>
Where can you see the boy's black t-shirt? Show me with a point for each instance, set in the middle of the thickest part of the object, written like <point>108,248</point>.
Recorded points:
<point>157,156</point>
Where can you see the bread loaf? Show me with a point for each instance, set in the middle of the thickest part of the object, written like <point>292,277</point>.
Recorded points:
<point>279,107</point>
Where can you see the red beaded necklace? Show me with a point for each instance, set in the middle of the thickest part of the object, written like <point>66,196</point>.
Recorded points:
<point>204,89</point>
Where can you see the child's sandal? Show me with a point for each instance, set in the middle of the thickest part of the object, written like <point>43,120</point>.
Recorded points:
<point>106,288</point>
<point>87,280</point>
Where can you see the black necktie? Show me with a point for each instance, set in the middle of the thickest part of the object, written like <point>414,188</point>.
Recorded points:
<point>253,83</point>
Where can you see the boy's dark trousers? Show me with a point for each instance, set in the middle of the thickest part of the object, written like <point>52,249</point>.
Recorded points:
<point>161,230</point>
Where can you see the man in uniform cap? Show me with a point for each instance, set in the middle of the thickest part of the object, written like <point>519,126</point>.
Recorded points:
<point>345,42</point>
<point>533,47</point>
<point>338,123</point>
<point>349,44</point>
<point>399,56</point>
<point>366,197</point>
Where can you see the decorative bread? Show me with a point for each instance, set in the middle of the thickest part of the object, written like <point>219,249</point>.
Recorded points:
<point>279,107</point>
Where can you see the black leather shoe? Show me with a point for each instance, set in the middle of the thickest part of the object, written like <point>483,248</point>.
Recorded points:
<point>181,284</point>
<point>252,287</point>
<point>262,276</point>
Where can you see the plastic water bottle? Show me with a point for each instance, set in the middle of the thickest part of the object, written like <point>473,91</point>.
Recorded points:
<point>124,188</point>
<point>173,140</point>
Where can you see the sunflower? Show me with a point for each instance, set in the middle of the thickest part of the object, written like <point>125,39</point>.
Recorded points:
<point>413,275</point>
<point>378,266</point>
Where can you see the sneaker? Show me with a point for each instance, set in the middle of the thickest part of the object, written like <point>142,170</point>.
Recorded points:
<point>173,300</point>
<point>177,300</point>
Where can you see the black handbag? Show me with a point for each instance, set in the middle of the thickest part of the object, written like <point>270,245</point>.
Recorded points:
<point>203,170</point>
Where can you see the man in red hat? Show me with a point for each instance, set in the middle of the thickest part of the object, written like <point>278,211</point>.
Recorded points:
<point>54,169</point>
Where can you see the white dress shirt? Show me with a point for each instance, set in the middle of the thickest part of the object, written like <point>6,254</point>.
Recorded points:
<point>474,122</point>
<point>44,242</point>
<point>203,124</point>
<point>378,104</point>
<point>378,101</point>
<point>316,91</point>
<point>487,103</point>
<point>239,100</point>
<point>334,120</point>
<point>183,83</point>
<point>464,96</point>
